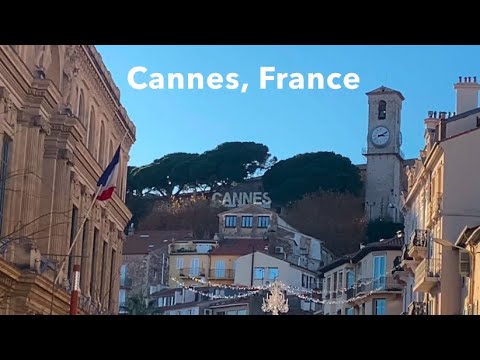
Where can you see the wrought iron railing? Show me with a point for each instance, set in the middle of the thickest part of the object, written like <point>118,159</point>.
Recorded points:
<point>382,283</point>
<point>417,308</point>
<point>419,238</point>
<point>192,272</point>
<point>222,274</point>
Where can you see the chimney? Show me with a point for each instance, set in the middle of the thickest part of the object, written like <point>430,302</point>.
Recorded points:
<point>467,94</point>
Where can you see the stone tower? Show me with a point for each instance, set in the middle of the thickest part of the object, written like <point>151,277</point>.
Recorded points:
<point>384,159</point>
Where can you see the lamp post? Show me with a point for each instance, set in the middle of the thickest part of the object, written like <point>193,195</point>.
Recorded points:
<point>275,302</point>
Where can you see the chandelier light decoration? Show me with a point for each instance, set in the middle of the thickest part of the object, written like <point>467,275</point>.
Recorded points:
<point>275,302</point>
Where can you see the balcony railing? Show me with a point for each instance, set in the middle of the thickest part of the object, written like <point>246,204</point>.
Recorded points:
<point>221,274</point>
<point>383,283</point>
<point>126,282</point>
<point>190,248</point>
<point>427,274</point>
<point>192,272</point>
<point>417,308</point>
<point>419,238</point>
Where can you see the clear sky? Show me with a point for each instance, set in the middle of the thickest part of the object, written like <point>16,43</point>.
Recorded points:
<point>288,121</point>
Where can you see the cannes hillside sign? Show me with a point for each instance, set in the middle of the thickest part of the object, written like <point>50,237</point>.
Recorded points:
<point>234,199</point>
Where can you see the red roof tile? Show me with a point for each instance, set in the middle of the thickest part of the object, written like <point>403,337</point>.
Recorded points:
<point>239,247</point>
<point>144,242</point>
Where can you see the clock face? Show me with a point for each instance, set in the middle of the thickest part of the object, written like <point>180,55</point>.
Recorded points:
<point>380,136</point>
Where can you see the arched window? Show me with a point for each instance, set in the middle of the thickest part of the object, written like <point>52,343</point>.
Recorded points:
<point>111,151</point>
<point>91,131</point>
<point>81,108</point>
<point>101,150</point>
<point>382,110</point>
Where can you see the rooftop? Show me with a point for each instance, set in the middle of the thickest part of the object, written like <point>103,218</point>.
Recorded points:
<point>239,247</point>
<point>143,242</point>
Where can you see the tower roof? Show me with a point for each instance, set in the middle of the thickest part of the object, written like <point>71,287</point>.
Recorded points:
<point>383,90</point>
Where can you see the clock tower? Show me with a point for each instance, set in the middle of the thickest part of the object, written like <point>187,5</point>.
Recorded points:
<point>384,159</point>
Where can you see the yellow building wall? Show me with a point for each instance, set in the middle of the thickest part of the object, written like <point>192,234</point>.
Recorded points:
<point>182,274</point>
<point>229,261</point>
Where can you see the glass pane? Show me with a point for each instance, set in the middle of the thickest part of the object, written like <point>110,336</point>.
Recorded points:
<point>273,273</point>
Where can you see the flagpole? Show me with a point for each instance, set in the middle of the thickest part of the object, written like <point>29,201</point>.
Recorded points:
<point>59,272</point>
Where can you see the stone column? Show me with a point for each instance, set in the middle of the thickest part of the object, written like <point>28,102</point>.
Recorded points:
<point>62,209</point>
<point>32,136</point>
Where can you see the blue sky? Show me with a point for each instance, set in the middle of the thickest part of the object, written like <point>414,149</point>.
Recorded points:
<point>288,121</point>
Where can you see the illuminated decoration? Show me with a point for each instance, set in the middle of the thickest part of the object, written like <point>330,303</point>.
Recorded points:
<point>276,301</point>
<point>234,199</point>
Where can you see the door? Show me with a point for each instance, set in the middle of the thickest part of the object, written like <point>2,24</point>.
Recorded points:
<point>379,270</point>
<point>195,267</point>
<point>220,269</point>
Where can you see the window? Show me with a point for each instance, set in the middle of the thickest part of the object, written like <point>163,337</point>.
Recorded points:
<point>350,279</point>
<point>379,306</point>
<point>379,269</point>
<point>195,267</point>
<point>179,263</point>
<point>242,312</point>
<point>335,281</point>
<point>230,221</point>
<point>247,221</point>
<point>263,222</point>
<point>329,282</point>
<point>101,149</point>
<point>103,270</point>
<point>4,164</point>
<point>272,273</point>
<point>123,274</point>
<point>382,110</point>
<point>113,265</point>
<point>93,265</point>
<point>122,297</point>
<point>340,281</point>
<point>91,132</point>
<point>304,281</point>
<point>220,269</point>
<point>259,273</point>
<point>73,232</point>
<point>349,311</point>
<point>154,274</point>
<point>83,252</point>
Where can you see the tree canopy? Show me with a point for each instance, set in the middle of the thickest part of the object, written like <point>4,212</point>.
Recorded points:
<point>289,180</point>
<point>213,169</point>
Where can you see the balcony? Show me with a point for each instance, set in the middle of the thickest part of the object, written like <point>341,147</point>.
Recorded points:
<point>191,272</point>
<point>417,308</point>
<point>381,284</point>
<point>418,244</point>
<point>427,274</point>
<point>126,282</point>
<point>399,272</point>
<point>221,274</point>
<point>191,247</point>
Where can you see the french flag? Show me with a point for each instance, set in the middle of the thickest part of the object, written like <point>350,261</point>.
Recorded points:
<point>108,181</point>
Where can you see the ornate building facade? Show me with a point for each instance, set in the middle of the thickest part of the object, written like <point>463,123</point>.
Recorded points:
<point>61,121</point>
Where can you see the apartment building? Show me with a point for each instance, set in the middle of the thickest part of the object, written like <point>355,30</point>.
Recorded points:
<point>61,121</point>
<point>442,200</point>
<point>361,284</point>
<point>144,268</point>
<point>284,241</point>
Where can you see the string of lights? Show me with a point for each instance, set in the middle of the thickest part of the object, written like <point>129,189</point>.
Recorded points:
<point>215,296</point>
<point>291,289</point>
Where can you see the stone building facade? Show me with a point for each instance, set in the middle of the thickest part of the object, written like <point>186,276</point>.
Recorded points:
<point>61,121</point>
